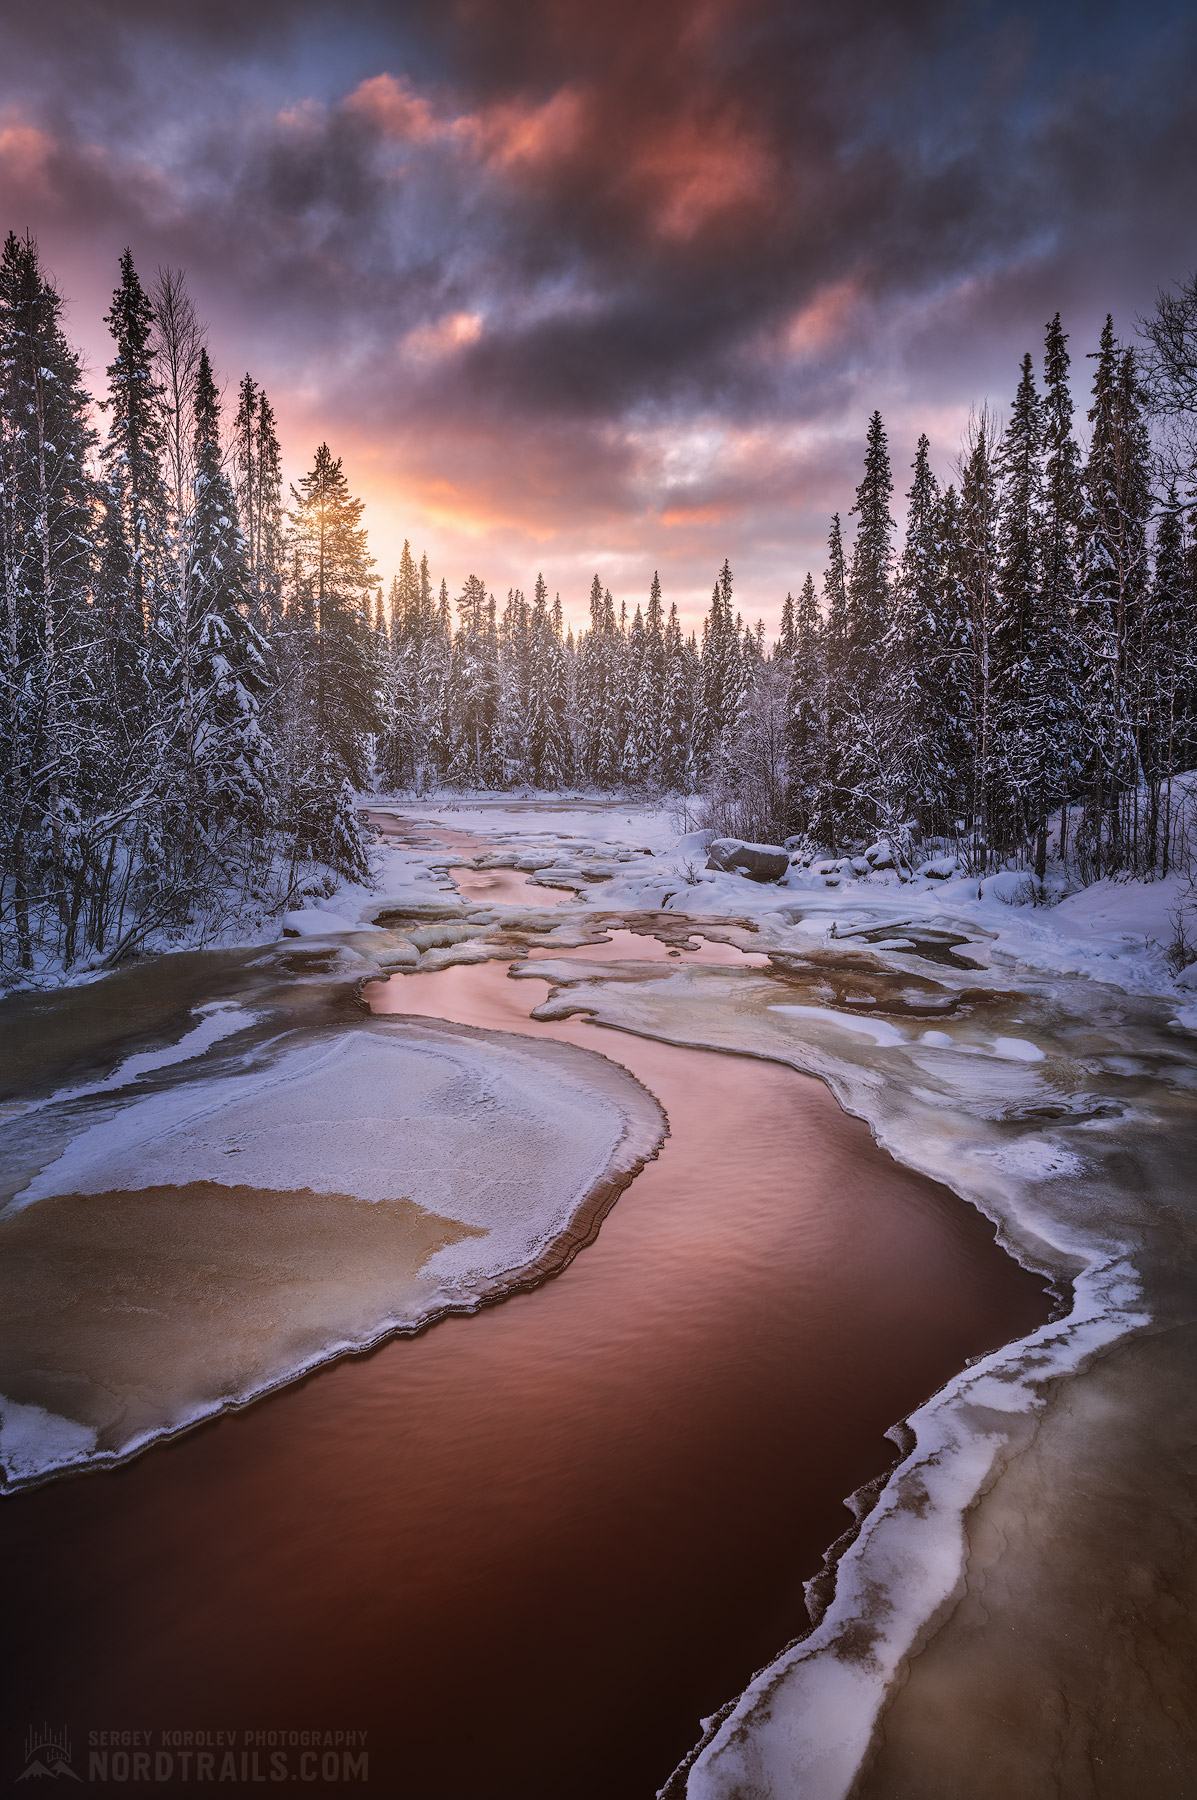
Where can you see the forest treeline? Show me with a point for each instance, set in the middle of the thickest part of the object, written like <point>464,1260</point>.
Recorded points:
<point>199,674</point>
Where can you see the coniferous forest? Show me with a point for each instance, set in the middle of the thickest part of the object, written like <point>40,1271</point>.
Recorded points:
<point>200,673</point>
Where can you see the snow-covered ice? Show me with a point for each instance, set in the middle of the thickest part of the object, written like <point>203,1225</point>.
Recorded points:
<point>190,1248</point>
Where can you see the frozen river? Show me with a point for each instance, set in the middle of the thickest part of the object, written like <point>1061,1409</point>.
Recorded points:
<point>556,1534</point>
<point>532,1550</point>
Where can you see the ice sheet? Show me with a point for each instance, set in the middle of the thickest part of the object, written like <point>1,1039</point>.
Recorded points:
<point>201,1244</point>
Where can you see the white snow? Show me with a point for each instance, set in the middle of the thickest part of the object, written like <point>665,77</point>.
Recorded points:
<point>1014,1049</point>
<point>315,921</point>
<point>879,1030</point>
<point>34,1442</point>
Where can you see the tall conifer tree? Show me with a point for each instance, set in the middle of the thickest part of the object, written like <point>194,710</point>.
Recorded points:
<point>233,767</point>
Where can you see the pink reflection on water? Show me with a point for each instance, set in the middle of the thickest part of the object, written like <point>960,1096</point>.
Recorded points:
<point>504,887</point>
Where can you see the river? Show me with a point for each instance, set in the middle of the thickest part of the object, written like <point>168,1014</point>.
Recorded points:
<point>527,1551</point>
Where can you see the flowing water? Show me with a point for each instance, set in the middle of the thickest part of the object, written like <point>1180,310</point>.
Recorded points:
<point>528,1550</point>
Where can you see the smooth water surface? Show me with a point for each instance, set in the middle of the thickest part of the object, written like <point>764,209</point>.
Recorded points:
<point>504,887</point>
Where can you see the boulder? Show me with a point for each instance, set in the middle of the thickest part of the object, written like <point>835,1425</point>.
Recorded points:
<point>760,862</point>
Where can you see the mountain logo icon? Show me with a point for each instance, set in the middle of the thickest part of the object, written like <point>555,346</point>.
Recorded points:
<point>47,1755</point>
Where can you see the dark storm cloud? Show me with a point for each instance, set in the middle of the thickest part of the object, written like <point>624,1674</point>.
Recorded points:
<point>609,265</point>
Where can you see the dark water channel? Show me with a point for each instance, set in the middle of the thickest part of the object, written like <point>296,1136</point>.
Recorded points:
<point>527,1551</point>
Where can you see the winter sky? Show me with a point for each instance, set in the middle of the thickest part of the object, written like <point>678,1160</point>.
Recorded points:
<point>575,286</point>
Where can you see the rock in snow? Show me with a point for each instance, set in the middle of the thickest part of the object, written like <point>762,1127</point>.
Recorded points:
<point>760,862</point>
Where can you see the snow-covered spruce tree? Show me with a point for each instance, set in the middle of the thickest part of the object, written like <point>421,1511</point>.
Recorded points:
<point>950,673</point>
<point>411,625</point>
<point>637,754</point>
<point>257,467</point>
<point>399,750</point>
<point>333,678</point>
<point>676,765</point>
<point>1019,467</point>
<point>1113,583</point>
<point>547,706</point>
<point>47,650</point>
<point>409,621</point>
<point>599,661</point>
<point>869,579</point>
<point>1054,697</point>
<point>649,691</point>
<point>913,658</point>
<point>978,538</point>
<point>806,703</point>
<point>835,598</point>
<point>477,725</point>
<point>722,680</point>
<point>623,687</point>
<point>859,723</point>
<point>135,557</point>
<point>1168,673</point>
<point>538,724</point>
<point>588,697</point>
<point>828,801</point>
<point>435,693</point>
<point>233,769</point>
<point>785,637</point>
<point>557,766</point>
<point>515,686</point>
<point>1036,711</point>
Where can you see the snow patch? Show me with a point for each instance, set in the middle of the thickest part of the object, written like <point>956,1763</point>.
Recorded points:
<point>313,921</point>
<point>35,1442</point>
<point>881,1032</point>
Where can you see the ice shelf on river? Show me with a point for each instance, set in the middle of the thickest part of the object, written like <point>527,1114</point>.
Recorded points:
<point>190,1248</point>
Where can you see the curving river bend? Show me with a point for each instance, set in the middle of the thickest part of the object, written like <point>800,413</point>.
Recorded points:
<point>529,1550</point>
